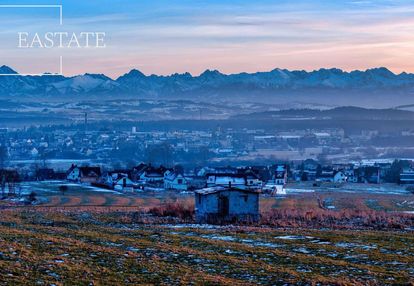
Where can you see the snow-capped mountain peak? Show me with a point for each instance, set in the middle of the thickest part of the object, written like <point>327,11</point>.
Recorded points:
<point>7,70</point>
<point>210,82</point>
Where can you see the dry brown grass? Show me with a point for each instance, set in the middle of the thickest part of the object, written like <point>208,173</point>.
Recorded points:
<point>181,210</point>
<point>345,219</point>
<point>104,248</point>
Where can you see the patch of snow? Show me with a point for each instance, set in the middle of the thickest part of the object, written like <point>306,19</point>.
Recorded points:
<point>293,191</point>
<point>219,237</point>
<point>355,245</point>
<point>294,237</point>
<point>302,250</point>
<point>199,226</point>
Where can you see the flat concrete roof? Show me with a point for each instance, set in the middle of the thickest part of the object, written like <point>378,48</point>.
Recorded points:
<point>212,190</point>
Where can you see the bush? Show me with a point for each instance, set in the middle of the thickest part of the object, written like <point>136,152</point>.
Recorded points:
<point>182,211</point>
<point>63,189</point>
<point>31,198</point>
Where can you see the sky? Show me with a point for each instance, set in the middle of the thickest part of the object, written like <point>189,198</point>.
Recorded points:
<point>176,36</point>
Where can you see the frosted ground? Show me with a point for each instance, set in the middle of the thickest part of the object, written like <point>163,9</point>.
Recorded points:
<point>300,196</point>
<point>291,189</point>
<point>44,248</point>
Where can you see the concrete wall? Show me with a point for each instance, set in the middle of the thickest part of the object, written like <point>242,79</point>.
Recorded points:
<point>241,204</point>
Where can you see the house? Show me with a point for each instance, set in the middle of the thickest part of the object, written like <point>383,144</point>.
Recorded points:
<point>262,172</point>
<point>226,205</point>
<point>219,170</point>
<point>350,175</point>
<point>252,179</point>
<point>137,171</point>
<point>274,189</point>
<point>175,181</point>
<point>89,174</point>
<point>234,180</point>
<point>73,174</point>
<point>83,174</point>
<point>369,175</point>
<point>407,177</point>
<point>385,168</point>
<point>325,174</point>
<point>308,175</point>
<point>309,170</point>
<point>281,175</point>
<point>196,182</point>
<point>276,186</point>
<point>119,180</point>
<point>339,177</point>
<point>153,175</point>
<point>148,175</point>
<point>296,174</point>
<point>123,183</point>
<point>310,165</point>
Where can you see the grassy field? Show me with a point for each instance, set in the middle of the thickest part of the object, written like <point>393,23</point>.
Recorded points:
<point>105,248</point>
<point>94,237</point>
<point>349,197</point>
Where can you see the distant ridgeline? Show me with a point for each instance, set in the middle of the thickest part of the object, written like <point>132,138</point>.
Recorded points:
<point>339,113</point>
<point>278,82</point>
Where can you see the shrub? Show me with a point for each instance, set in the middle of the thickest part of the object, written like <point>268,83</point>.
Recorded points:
<point>179,210</point>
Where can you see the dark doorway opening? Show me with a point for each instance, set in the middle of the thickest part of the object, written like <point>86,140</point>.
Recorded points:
<point>223,206</point>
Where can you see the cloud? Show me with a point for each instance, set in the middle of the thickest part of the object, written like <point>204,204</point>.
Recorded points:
<point>176,36</point>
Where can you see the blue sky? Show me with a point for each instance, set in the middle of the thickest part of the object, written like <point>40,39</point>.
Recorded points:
<point>165,37</point>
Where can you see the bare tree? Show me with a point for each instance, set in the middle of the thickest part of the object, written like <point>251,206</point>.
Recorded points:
<point>160,154</point>
<point>3,156</point>
<point>3,185</point>
<point>43,157</point>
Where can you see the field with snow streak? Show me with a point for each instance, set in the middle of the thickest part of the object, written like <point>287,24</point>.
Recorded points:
<point>79,248</point>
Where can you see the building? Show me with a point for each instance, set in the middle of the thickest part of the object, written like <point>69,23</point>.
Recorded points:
<point>264,173</point>
<point>326,175</point>
<point>138,171</point>
<point>252,180</point>
<point>407,177</point>
<point>196,182</point>
<point>281,175</point>
<point>310,165</point>
<point>175,181</point>
<point>224,180</point>
<point>83,174</point>
<point>226,205</point>
<point>340,177</point>
<point>123,183</point>
<point>369,175</point>
<point>219,170</point>
<point>152,176</point>
<point>310,168</point>
<point>276,186</point>
<point>119,180</point>
<point>351,177</point>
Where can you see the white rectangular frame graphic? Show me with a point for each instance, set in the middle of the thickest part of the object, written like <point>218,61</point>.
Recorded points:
<point>60,7</point>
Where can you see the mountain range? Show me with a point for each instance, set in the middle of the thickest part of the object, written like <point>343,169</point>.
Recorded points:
<point>260,86</point>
